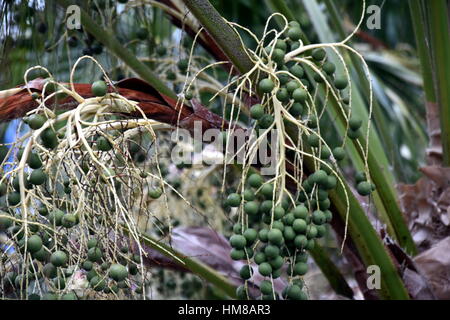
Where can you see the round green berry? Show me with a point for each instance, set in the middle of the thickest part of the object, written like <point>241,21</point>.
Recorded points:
<point>289,233</point>
<point>329,68</point>
<point>319,177</point>
<point>278,225</point>
<point>236,254</point>
<point>95,254</point>
<point>37,177</point>
<point>340,82</point>
<point>255,180</point>
<point>68,220</point>
<point>36,121</point>
<point>313,140</point>
<point>297,71</point>
<point>296,109</point>
<point>251,208</point>
<point>276,263</point>
<point>97,283</point>
<point>260,257</point>
<point>34,244</point>
<point>292,85</point>
<point>59,258</point>
<point>250,235</point>
<point>271,251</point>
<point>242,293</point>
<point>300,241</point>
<point>275,236</point>
<point>283,78</point>
<point>300,212</point>
<point>5,223</point>
<point>155,193</point>
<point>278,212</point>
<point>234,200</point>
<point>294,292</point>
<point>34,161</point>
<point>283,95</point>
<point>87,265</point>
<point>13,198</point>
<point>318,54</point>
<point>312,121</point>
<point>257,111</point>
<point>328,216</point>
<point>55,217</point>
<point>278,56</point>
<point>267,191</point>
<point>265,269</point>
<point>248,195</point>
<point>311,233</point>
<point>49,138</point>
<point>266,85</point>
<point>294,33</point>
<point>266,287</point>
<point>281,44</point>
<point>3,189</point>
<point>265,121</point>
<point>237,228</point>
<point>238,241</point>
<point>246,272</point>
<point>318,217</point>
<point>117,272</point>
<point>299,95</point>
<point>288,219</point>
<point>262,235</point>
<point>99,88</point>
<point>352,134</point>
<point>266,206</point>
<point>183,65</point>
<point>364,188</point>
<point>299,226</point>
<point>300,269</point>
<point>355,123</point>
<point>360,177</point>
<point>339,153</point>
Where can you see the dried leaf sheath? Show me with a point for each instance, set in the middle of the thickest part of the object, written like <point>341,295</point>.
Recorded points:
<point>15,104</point>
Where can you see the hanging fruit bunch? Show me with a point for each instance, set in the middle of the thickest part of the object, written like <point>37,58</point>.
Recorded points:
<point>280,216</point>
<point>70,186</point>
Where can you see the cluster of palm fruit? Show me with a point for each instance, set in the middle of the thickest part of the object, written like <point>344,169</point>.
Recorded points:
<point>273,235</point>
<point>294,89</point>
<point>294,83</point>
<point>52,265</point>
<point>177,283</point>
<point>52,229</point>
<point>276,235</point>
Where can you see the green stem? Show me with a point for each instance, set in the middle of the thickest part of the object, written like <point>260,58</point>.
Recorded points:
<point>331,272</point>
<point>438,23</point>
<point>220,31</point>
<point>422,49</point>
<point>109,41</point>
<point>191,264</point>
